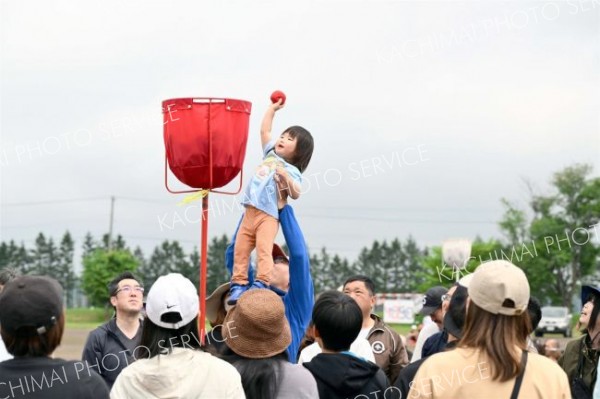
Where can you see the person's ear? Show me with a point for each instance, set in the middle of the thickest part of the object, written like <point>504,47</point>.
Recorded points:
<point>113,301</point>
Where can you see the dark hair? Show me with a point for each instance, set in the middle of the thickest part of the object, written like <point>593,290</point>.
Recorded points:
<point>535,312</point>
<point>304,146</point>
<point>158,340</point>
<point>7,274</point>
<point>307,339</point>
<point>113,286</point>
<point>359,277</point>
<point>496,336</point>
<point>458,307</point>
<point>338,320</point>
<point>595,298</point>
<point>260,377</point>
<point>27,342</point>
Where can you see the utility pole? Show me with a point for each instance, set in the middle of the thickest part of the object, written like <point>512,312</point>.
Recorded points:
<point>110,226</point>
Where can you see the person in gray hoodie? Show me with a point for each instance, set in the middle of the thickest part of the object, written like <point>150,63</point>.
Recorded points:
<point>339,373</point>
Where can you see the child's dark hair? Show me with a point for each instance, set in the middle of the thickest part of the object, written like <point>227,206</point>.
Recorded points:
<point>595,298</point>
<point>338,320</point>
<point>304,146</point>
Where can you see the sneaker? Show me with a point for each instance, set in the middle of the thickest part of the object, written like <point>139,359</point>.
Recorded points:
<point>236,291</point>
<point>258,284</point>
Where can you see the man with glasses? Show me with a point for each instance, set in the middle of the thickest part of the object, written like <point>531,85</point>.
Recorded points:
<point>112,346</point>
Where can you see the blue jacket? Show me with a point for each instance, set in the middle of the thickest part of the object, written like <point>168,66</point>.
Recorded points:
<point>300,297</point>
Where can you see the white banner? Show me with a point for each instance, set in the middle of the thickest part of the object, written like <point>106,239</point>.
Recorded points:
<point>399,311</point>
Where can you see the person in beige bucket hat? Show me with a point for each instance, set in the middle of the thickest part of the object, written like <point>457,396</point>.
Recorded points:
<point>257,334</point>
<point>491,359</point>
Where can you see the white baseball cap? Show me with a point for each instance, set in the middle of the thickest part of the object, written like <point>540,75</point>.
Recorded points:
<point>172,293</point>
<point>500,287</point>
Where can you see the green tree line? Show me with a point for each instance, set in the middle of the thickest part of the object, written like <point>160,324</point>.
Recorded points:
<point>554,238</point>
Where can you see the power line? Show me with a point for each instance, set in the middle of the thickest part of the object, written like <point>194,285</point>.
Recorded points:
<point>396,220</point>
<point>59,201</point>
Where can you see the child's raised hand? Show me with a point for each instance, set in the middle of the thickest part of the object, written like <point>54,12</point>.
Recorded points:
<point>278,105</point>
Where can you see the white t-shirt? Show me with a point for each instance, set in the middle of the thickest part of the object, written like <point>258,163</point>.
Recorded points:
<point>360,347</point>
<point>429,328</point>
<point>364,332</point>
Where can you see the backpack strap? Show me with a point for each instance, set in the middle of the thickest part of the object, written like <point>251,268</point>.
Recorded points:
<point>519,380</point>
<point>580,359</point>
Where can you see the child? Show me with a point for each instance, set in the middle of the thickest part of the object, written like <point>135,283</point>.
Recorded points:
<point>340,373</point>
<point>285,159</point>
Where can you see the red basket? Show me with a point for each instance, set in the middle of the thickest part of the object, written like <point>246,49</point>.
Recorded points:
<point>205,139</point>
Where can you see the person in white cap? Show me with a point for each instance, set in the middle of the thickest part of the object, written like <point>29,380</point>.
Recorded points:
<point>169,361</point>
<point>491,360</point>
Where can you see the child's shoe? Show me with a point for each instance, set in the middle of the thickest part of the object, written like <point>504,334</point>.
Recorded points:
<point>235,291</point>
<point>258,284</point>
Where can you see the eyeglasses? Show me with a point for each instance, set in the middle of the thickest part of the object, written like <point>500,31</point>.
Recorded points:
<point>128,289</point>
<point>446,297</point>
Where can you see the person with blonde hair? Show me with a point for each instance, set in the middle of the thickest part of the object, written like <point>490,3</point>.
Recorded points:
<point>491,360</point>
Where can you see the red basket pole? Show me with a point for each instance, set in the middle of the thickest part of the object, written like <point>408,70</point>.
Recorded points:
<point>204,242</point>
<point>202,274</point>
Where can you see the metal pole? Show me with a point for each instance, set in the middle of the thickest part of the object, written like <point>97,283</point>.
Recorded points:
<point>110,226</point>
<point>203,257</point>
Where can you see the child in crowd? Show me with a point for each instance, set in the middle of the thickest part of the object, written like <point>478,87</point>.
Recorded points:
<point>337,320</point>
<point>285,158</point>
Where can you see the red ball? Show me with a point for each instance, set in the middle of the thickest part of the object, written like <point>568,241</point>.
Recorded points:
<point>276,95</point>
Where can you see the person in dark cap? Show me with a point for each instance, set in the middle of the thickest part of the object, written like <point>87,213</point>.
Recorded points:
<point>454,320</point>
<point>32,322</point>
<point>432,307</point>
<point>438,342</point>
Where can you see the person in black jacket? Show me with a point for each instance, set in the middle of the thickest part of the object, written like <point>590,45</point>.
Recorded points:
<point>112,346</point>
<point>33,321</point>
<point>339,373</point>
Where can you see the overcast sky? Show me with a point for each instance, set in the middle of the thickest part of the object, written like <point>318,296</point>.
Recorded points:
<point>424,114</point>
